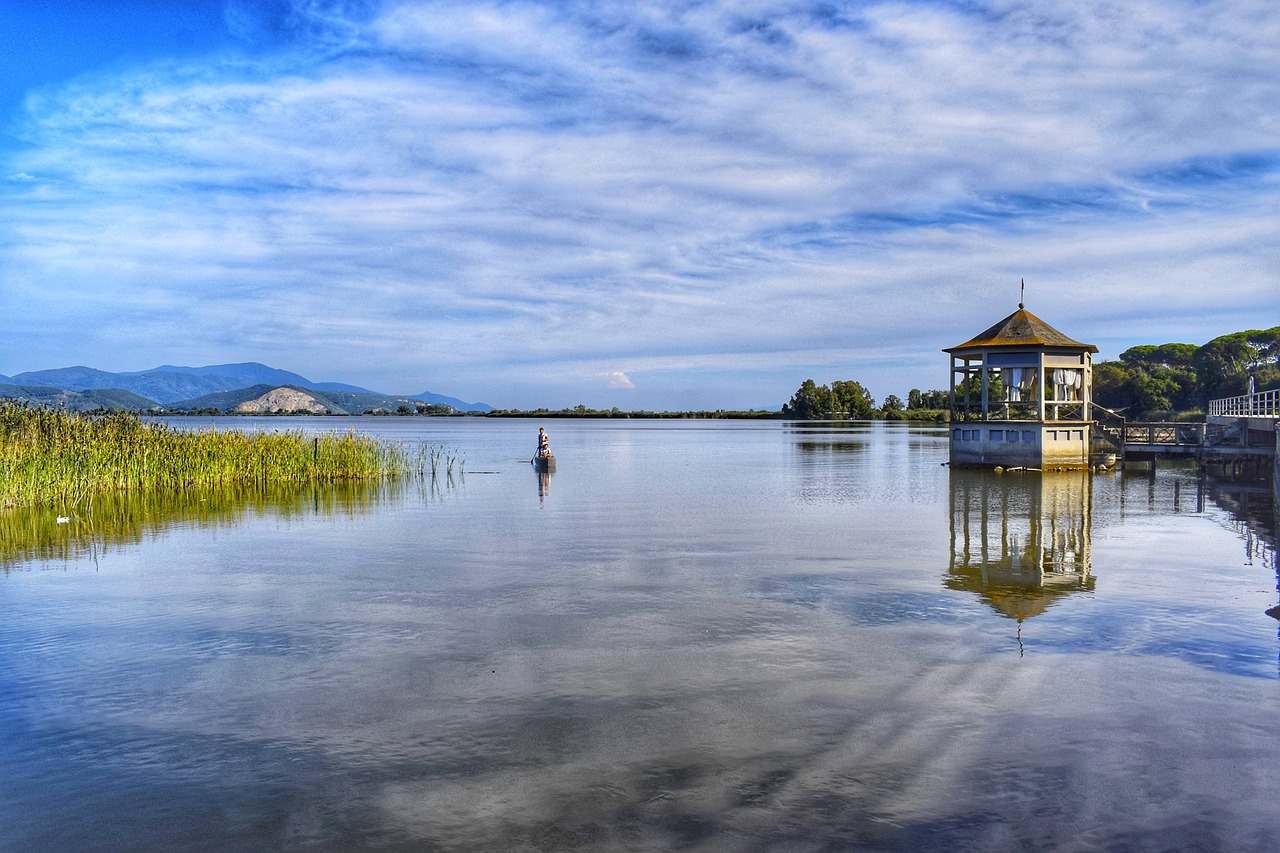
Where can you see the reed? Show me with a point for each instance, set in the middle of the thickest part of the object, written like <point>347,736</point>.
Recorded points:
<point>54,458</point>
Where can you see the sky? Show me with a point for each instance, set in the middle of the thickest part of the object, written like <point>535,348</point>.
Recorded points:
<point>648,205</point>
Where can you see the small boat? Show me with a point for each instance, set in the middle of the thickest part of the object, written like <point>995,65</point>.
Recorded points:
<point>544,463</point>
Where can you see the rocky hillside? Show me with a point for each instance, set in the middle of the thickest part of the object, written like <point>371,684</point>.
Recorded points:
<point>286,399</point>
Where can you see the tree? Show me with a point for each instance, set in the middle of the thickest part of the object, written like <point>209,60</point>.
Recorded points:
<point>973,385</point>
<point>1163,355</point>
<point>1111,386</point>
<point>844,399</point>
<point>892,403</point>
<point>810,402</point>
<point>852,399</point>
<point>1161,378</point>
<point>917,399</point>
<point>1151,380</point>
<point>1153,391</point>
<point>1223,366</point>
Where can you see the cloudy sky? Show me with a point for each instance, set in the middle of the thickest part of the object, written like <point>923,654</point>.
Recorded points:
<point>659,205</point>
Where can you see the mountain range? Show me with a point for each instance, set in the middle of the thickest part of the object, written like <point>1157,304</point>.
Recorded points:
<point>220,386</point>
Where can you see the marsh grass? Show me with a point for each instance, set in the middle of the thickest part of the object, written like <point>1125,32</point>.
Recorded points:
<point>60,459</point>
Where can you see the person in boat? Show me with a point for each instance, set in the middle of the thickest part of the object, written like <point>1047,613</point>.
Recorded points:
<point>544,443</point>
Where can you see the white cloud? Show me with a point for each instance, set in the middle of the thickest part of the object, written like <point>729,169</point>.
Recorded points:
<point>618,379</point>
<point>493,195</point>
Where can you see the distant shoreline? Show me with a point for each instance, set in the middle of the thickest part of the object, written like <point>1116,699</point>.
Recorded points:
<point>923,416</point>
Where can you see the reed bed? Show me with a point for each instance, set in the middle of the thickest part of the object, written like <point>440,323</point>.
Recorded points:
<point>55,458</point>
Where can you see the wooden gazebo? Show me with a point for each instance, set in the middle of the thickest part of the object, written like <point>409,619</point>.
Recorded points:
<point>1021,395</point>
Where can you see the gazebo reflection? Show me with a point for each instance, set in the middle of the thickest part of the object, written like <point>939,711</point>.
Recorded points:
<point>1020,541</point>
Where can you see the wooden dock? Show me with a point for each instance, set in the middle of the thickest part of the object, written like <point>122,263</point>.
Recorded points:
<point>1236,428</point>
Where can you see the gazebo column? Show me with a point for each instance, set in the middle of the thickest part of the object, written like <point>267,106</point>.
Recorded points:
<point>1086,390</point>
<point>1042,383</point>
<point>986,389</point>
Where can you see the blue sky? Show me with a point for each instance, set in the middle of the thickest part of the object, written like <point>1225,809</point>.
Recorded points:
<point>658,205</point>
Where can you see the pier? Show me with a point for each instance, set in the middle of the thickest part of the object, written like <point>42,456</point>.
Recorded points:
<point>1236,430</point>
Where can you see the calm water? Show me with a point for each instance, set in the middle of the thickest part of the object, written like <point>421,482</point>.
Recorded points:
<point>712,636</point>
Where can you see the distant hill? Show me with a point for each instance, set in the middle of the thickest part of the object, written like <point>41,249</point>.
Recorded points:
<point>428,397</point>
<point>335,402</point>
<point>223,400</point>
<point>359,402</point>
<point>263,398</point>
<point>245,373</point>
<point>77,401</point>
<point>340,386</point>
<point>220,386</point>
<point>161,386</point>
<point>72,378</point>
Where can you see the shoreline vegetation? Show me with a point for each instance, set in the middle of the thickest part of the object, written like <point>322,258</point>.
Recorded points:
<point>580,411</point>
<point>568,412</point>
<point>50,457</point>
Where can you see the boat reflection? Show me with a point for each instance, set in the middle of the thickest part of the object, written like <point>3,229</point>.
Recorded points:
<point>544,485</point>
<point>1020,541</point>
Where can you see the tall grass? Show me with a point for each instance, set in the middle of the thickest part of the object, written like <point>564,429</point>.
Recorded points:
<point>55,458</point>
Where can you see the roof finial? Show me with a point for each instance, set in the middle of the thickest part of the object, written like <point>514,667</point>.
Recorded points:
<point>1022,295</point>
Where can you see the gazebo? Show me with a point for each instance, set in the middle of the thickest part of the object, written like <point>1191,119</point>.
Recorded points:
<point>1021,395</point>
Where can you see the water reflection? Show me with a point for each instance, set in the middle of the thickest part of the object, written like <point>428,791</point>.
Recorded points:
<point>1020,541</point>
<point>119,518</point>
<point>674,656</point>
<point>1253,510</point>
<point>544,485</point>
<point>829,438</point>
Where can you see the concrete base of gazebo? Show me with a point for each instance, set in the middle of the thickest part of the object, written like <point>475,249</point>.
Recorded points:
<point>1058,445</point>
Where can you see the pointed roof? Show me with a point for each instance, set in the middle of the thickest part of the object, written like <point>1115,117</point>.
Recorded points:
<point>1021,329</point>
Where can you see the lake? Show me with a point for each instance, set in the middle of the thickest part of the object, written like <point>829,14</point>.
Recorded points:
<point>694,635</point>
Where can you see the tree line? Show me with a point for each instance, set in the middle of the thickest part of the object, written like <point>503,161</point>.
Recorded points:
<point>846,398</point>
<point>1147,382</point>
<point>1154,382</point>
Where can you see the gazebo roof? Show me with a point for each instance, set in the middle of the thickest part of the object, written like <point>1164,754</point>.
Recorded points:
<point>1021,329</point>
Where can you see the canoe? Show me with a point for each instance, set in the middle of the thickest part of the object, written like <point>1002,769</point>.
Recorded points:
<point>544,463</point>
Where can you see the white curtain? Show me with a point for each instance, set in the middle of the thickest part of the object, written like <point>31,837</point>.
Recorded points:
<point>1018,382</point>
<point>1068,382</point>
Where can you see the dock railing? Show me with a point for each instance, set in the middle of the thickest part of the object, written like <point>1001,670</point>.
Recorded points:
<point>1124,434</point>
<point>1190,435</point>
<point>1264,404</point>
